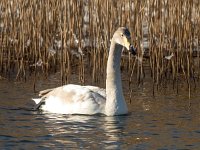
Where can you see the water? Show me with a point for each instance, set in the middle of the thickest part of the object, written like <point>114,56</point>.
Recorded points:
<point>165,121</point>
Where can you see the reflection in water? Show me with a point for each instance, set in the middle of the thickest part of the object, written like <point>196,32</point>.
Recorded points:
<point>165,121</point>
<point>81,130</point>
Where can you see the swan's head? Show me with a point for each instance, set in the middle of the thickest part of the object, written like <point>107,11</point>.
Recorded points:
<point>123,37</point>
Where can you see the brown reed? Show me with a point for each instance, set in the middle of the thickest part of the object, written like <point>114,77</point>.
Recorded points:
<point>55,35</point>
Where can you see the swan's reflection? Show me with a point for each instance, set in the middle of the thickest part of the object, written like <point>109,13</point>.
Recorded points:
<point>86,131</point>
<point>113,126</point>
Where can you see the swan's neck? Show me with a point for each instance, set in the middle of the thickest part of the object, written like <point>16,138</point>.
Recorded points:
<point>115,103</point>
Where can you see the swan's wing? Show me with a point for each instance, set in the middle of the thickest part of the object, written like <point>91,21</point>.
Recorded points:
<point>98,90</point>
<point>44,92</point>
<point>72,93</point>
<point>75,99</point>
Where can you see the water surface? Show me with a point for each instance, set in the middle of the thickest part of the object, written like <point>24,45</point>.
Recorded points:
<point>166,121</point>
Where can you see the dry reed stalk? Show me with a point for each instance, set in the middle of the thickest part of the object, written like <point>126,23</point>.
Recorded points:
<point>28,29</point>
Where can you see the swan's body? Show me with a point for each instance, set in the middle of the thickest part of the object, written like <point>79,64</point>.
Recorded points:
<point>76,99</point>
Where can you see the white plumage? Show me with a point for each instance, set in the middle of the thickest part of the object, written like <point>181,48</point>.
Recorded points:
<point>74,99</point>
<point>89,100</point>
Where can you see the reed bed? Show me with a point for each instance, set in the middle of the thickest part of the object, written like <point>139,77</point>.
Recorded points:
<point>44,36</point>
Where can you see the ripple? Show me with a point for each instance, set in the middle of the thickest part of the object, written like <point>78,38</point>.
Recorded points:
<point>6,137</point>
<point>170,124</point>
<point>152,129</point>
<point>197,131</point>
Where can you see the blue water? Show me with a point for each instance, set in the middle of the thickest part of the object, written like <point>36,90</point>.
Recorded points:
<point>166,121</point>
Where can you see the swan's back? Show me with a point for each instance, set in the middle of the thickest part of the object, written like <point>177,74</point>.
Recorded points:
<point>74,99</point>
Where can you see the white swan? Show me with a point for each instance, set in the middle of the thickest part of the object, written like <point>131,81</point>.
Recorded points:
<point>76,99</point>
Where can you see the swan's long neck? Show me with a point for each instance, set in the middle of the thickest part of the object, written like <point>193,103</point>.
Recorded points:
<point>115,103</point>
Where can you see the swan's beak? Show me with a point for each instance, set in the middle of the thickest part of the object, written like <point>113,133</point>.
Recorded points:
<point>130,47</point>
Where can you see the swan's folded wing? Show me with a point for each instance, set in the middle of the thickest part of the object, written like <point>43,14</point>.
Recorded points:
<point>75,93</point>
<point>75,99</point>
<point>98,90</point>
<point>44,92</point>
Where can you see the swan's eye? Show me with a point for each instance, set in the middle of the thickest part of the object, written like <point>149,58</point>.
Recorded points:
<point>122,35</point>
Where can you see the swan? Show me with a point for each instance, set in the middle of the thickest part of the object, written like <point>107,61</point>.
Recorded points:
<point>90,100</point>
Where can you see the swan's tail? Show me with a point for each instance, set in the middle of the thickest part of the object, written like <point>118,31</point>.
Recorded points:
<point>39,102</point>
<point>36,100</point>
